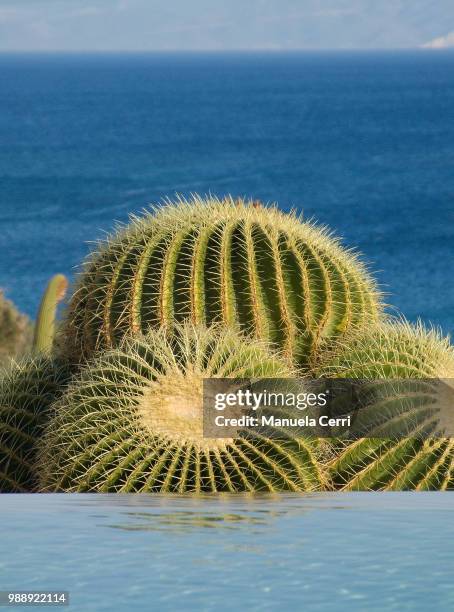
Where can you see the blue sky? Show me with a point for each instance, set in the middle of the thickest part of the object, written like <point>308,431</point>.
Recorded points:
<point>82,25</point>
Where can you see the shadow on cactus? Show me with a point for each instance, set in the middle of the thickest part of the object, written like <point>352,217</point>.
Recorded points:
<point>254,268</point>
<point>415,461</point>
<point>132,422</point>
<point>15,331</point>
<point>27,389</point>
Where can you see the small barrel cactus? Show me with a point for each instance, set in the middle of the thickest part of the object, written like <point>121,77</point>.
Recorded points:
<point>132,421</point>
<point>254,268</point>
<point>398,353</point>
<point>15,331</point>
<point>27,388</point>
<point>44,335</point>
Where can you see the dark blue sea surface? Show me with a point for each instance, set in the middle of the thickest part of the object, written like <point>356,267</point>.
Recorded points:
<point>352,552</point>
<point>361,142</point>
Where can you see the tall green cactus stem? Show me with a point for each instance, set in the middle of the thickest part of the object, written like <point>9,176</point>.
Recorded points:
<point>395,351</point>
<point>255,268</point>
<point>132,422</point>
<point>43,340</point>
<point>27,388</point>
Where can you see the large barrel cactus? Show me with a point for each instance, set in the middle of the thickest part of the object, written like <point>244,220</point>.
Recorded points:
<point>132,422</point>
<point>250,267</point>
<point>411,374</point>
<point>27,388</point>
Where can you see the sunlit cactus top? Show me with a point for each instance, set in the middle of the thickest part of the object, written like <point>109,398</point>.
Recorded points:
<point>248,266</point>
<point>391,350</point>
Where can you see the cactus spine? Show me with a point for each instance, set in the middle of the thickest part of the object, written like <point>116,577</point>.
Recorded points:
<point>132,422</point>
<point>45,322</point>
<point>27,388</point>
<point>253,268</point>
<point>395,351</point>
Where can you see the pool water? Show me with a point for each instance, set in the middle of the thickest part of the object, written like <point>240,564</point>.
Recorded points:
<point>355,551</point>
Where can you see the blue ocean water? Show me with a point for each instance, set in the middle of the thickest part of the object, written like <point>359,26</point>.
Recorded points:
<point>361,142</point>
<point>377,552</point>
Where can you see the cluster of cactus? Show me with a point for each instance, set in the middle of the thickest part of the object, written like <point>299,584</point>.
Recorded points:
<point>213,289</point>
